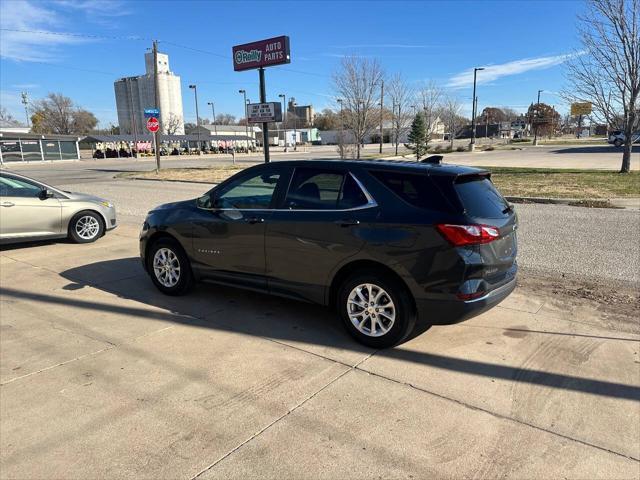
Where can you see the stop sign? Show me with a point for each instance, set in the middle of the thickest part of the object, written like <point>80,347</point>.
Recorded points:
<point>153,124</point>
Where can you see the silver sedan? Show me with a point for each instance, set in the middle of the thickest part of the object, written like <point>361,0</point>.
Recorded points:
<point>31,210</point>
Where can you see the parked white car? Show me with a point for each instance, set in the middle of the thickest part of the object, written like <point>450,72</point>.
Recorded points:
<point>617,138</point>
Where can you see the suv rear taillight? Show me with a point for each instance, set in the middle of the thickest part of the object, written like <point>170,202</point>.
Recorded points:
<point>461,235</point>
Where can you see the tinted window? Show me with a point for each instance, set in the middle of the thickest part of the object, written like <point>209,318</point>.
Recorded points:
<point>480,198</point>
<point>13,187</point>
<point>316,189</point>
<point>415,189</point>
<point>252,192</point>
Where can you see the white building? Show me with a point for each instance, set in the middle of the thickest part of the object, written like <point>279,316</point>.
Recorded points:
<point>134,94</point>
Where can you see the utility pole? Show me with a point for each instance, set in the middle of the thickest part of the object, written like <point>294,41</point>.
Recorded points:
<point>25,102</point>
<point>535,138</point>
<point>156,87</point>
<point>284,118</point>
<point>381,112</point>
<point>213,114</point>
<point>472,145</point>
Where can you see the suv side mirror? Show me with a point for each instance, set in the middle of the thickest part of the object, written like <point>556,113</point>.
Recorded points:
<point>45,193</point>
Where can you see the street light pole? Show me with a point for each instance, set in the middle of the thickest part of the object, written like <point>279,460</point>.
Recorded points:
<point>213,113</point>
<point>284,118</point>
<point>195,92</point>
<point>472,145</point>
<point>295,128</point>
<point>535,138</point>
<point>246,120</point>
<point>381,108</point>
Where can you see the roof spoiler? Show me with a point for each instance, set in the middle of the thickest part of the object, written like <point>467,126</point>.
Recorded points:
<point>433,159</point>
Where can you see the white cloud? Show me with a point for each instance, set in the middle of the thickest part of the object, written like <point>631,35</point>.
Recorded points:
<point>26,46</point>
<point>493,72</point>
<point>30,29</point>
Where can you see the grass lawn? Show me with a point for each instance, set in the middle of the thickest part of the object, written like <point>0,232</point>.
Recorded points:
<point>559,183</point>
<point>202,174</point>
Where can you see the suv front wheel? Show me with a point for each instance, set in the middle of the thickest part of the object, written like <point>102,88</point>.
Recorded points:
<point>376,310</point>
<point>169,267</point>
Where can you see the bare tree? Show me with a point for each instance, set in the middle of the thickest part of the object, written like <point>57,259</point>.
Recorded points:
<point>7,118</point>
<point>451,109</point>
<point>510,114</point>
<point>429,98</point>
<point>400,94</point>
<point>607,72</point>
<point>225,119</point>
<point>58,114</point>
<point>173,125</point>
<point>357,83</point>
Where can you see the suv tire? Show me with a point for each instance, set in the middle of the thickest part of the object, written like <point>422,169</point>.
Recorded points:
<point>169,267</point>
<point>376,310</point>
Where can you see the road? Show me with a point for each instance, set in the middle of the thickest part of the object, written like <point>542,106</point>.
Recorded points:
<point>602,157</point>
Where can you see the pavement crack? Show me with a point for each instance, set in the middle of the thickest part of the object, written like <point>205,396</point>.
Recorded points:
<point>284,415</point>
<point>497,415</point>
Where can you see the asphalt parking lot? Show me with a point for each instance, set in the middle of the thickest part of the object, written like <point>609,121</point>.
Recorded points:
<point>104,377</point>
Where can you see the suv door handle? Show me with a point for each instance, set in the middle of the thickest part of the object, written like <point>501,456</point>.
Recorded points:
<point>7,204</point>
<point>348,222</point>
<point>253,220</point>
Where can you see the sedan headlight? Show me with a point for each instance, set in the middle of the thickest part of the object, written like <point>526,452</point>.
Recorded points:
<point>106,204</point>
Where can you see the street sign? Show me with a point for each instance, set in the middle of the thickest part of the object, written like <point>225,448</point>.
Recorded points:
<point>264,112</point>
<point>153,124</point>
<point>263,53</point>
<point>581,108</point>
<point>151,112</point>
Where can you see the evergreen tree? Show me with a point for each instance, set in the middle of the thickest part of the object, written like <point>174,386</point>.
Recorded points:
<point>418,137</point>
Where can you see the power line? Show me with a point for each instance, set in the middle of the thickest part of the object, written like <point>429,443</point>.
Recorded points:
<point>72,34</point>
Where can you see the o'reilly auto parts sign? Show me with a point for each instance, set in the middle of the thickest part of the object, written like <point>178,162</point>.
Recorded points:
<point>264,112</point>
<point>263,53</point>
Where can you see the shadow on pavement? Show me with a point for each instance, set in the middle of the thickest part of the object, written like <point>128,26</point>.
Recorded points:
<point>598,149</point>
<point>282,320</point>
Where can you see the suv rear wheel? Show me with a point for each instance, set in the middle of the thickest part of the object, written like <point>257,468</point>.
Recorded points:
<point>376,310</point>
<point>169,267</point>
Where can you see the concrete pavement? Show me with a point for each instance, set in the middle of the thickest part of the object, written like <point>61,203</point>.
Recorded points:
<point>102,376</point>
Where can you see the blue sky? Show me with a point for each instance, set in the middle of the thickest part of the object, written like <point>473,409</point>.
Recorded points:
<point>85,45</point>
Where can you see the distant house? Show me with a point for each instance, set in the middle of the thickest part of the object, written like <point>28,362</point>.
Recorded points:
<point>241,135</point>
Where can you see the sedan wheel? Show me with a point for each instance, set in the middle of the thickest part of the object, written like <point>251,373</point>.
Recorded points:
<point>166,267</point>
<point>86,227</point>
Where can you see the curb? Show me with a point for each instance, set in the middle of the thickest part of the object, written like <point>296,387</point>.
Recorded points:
<point>573,202</point>
<point>166,180</point>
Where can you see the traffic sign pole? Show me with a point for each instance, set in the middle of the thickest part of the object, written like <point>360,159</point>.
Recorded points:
<point>265,125</point>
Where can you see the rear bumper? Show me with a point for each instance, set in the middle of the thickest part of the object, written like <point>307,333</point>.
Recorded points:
<point>447,312</point>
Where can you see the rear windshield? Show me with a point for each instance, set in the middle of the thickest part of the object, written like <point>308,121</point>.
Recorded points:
<point>480,198</point>
<point>416,189</point>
